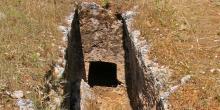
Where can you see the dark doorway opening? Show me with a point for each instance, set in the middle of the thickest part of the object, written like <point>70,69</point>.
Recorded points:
<point>102,74</point>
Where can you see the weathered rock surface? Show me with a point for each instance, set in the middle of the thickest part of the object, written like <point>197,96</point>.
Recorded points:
<point>102,40</point>
<point>17,94</point>
<point>25,104</point>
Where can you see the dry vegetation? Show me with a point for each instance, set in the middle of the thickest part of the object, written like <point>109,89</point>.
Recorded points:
<point>184,35</point>
<point>28,43</point>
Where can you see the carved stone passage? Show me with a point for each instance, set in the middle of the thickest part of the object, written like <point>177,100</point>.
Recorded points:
<point>102,42</point>
<point>104,69</point>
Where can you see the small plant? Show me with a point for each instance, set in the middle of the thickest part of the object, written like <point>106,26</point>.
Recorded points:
<point>105,3</point>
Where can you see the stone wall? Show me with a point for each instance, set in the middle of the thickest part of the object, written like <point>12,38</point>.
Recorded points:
<point>75,69</point>
<point>140,83</point>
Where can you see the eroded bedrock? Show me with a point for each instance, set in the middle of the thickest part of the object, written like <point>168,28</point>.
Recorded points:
<point>102,42</point>
<point>104,70</point>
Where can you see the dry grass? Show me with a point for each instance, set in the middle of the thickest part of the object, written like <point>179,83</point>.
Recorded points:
<point>28,40</point>
<point>184,35</point>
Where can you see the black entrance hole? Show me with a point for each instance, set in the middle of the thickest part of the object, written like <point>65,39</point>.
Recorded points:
<point>102,74</point>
